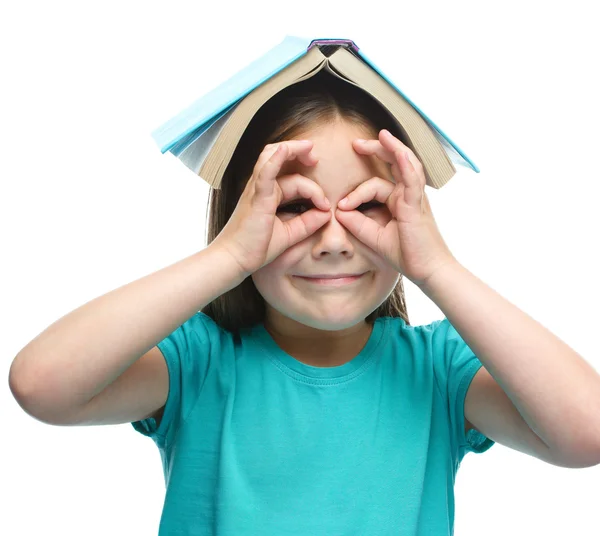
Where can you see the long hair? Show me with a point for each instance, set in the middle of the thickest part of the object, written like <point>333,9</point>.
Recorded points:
<point>321,99</point>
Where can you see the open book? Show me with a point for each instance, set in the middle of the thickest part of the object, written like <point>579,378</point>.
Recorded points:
<point>205,135</point>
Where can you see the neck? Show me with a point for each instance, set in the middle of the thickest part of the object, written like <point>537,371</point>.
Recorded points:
<point>316,347</point>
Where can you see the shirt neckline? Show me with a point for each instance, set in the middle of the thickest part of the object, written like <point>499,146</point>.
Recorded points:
<point>322,375</point>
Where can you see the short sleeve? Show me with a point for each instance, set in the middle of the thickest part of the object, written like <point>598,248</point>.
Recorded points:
<point>187,352</point>
<point>455,365</point>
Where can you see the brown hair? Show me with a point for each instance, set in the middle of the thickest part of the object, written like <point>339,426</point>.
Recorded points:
<point>321,99</point>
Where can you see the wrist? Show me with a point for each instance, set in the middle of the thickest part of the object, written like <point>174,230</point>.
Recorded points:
<point>439,276</point>
<point>226,258</point>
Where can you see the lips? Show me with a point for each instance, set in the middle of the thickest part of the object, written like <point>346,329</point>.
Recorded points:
<point>331,279</point>
<point>329,276</point>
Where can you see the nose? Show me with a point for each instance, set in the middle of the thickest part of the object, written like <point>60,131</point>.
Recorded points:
<point>333,239</point>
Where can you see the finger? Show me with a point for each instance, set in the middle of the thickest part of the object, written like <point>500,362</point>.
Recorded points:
<point>383,136</point>
<point>266,174</point>
<point>415,189</point>
<point>374,189</point>
<point>265,178</point>
<point>391,150</point>
<point>307,157</point>
<point>406,159</point>
<point>387,147</point>
<point>296,186</point>
<point>373,147</point>
<point>301,149</point>
<point>365,229</point>
<point>305,224</point>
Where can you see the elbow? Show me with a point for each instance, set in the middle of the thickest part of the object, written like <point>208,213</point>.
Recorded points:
<point>18,387</point>
<point>585,455</point>
<point>29,397</point>
<point>581,461</point>
<point>24,394</point>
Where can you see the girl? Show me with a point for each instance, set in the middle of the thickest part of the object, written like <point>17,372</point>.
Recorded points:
<point>277,371</point>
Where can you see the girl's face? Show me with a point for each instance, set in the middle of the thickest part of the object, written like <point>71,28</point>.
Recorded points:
<point>332,249</point>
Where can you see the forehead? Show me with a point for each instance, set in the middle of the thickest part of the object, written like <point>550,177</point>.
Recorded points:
<point>340,168</point>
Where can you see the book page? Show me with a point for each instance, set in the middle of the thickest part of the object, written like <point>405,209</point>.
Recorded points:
<point>197,150</point>
<point>194,154</point>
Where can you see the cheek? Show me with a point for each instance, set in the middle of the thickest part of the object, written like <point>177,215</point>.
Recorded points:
<point>390,278</point>
<point>269,277</point>
<point>286,261</point>
<point>263,280</point>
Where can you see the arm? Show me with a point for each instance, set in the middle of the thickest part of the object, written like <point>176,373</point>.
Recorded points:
<point>533,391</point>
<point>82,353</point>
<point>554,389</point>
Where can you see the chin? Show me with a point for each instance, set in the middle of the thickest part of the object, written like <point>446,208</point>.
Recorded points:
<point>326,311</point>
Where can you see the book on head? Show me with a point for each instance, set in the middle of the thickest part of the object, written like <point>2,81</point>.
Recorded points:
<point>205,135</point>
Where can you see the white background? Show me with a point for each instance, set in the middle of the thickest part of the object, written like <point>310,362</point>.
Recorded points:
<point>90,204</point>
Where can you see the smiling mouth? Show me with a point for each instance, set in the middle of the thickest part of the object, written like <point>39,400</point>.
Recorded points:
<point>332,281</point>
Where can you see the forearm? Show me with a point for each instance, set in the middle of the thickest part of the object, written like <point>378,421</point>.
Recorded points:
<point>87,349</point>
<point>554,389</point>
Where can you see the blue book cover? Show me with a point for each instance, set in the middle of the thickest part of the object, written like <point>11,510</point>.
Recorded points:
<point>229,92</point>
<point>191,133</point>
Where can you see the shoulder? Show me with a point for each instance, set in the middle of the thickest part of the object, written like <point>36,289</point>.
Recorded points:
<point>203,328</point>
<point>419,335</point>
<point>196,345</point>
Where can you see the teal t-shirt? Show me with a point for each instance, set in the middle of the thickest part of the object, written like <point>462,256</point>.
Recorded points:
<point>254,442</point>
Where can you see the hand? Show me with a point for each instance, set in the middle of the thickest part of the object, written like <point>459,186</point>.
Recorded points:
<point>411,241</point>
<point>254,235</point>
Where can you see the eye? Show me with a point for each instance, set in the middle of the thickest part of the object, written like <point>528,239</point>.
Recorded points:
<point>300,207</point>
<point>369,205</point>
<point>295,208</point>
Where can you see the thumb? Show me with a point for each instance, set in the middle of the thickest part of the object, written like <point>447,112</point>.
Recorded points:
<point>305,224</point>
<point>367,230</point>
